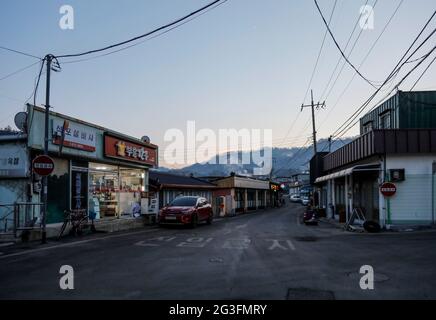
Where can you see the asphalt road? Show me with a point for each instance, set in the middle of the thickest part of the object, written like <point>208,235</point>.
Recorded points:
<point>262,255</point>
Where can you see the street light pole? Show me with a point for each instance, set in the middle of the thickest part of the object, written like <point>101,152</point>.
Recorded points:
<point>48,59</point>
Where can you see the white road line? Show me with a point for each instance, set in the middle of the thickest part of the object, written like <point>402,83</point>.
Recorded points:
<point>72,244</point>
<point>291,245</point>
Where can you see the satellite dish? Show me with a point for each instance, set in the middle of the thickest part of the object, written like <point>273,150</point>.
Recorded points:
<point>20,120</point>
<point>145,139</point>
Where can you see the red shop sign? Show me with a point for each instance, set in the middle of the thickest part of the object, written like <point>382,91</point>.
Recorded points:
<point>388,189</point>
<point>120,148</point>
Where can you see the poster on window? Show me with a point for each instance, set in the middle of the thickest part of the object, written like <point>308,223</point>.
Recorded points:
<point>79,190</point>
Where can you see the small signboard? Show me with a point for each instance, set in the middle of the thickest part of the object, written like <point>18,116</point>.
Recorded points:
<point>388,189</point>
<point>122,149</point>
<point>43,165</point>
<point>76,136</point>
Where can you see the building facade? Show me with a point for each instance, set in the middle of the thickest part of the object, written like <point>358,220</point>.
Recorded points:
<point>165,187</point>
<point>401,151</point>
<point>96,169</point>
<point>239,194</point>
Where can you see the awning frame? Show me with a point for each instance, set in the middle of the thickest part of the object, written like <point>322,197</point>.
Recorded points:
<point>348,171</point>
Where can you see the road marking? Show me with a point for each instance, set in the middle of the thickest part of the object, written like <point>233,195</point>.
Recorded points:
<point>72,244</point>
<point>241,226</point>
<point>276,245</point>
<point>146,243</point>
<point>197,242</point>
<point>236,244</point>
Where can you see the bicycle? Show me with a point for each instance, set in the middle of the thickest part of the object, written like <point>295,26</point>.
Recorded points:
<point>79,220</point>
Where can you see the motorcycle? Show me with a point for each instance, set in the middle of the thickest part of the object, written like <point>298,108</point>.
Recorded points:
<point>310,217</point>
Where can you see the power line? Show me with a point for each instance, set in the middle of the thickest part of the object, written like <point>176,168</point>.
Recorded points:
<point>18,71</point>
<point>349,54</point>
<point>147,39</point>
<point>143,35</point>
<point>346,129</point>
<point>35,91</point>
<point>319,53</point>
<point>339,48</point>
<point>20,52</point>
<point>361,64</point>
<point>422,74</point>
<point>340,56</point>
<point>313,73</point>
<point>396,69</point>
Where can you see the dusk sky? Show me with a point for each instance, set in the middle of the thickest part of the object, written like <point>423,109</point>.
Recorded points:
<point>245,64</point>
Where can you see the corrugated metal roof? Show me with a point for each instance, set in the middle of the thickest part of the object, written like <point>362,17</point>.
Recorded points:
<point>164,178</point>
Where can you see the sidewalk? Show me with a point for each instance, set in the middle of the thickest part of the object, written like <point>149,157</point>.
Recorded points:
<point>390,230</point>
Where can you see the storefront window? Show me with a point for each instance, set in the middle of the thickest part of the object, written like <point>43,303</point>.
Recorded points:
<point>132,184</point>
<point>103,191</point>
<point>115,191</point>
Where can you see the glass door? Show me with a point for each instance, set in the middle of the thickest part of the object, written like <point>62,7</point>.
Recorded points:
<point>103,191</point>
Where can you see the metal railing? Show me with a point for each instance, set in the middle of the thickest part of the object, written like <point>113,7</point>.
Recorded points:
<point>19,216</point>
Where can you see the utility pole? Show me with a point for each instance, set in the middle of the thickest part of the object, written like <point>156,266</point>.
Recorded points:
<point>48,59</point>
<point>313,106</point>
<point>330,143</point>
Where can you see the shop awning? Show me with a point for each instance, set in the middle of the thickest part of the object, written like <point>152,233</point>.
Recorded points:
<point>346,172</point>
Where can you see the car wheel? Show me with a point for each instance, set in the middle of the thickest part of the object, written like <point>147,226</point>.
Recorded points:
<point>194,221</point>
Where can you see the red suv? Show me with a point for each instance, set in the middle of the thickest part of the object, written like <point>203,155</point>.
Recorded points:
<point>186,211</point>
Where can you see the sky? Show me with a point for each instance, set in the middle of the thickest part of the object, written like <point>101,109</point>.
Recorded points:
<point>245,64</point>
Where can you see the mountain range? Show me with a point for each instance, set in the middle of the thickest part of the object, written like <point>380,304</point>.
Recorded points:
<point>286,161</point>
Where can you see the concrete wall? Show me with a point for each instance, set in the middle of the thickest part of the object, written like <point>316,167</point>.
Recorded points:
<point>414,201</point>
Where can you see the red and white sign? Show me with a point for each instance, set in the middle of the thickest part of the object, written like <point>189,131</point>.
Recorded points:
<point>119,148</point>
<point>388,189</point>
<point>43,165</point>
<point>76,136</point>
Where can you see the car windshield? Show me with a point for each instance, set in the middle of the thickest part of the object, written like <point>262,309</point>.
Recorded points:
<point>184,202</point>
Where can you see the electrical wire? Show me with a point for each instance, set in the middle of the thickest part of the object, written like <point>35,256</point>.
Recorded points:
<point>147,39</point>
<point>313,73</point>
<point>422,74</point>
<point>399,65</point>
<point>143,35</point>
<point>361,64</point>
<point>20,52</point>
<point>346,129</point>
<point>18,71</point>
<point>339,48</point>
<point>340,56</point>
<point>35,92</point>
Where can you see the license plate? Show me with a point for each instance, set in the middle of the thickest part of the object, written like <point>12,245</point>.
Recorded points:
<point>170,217</point>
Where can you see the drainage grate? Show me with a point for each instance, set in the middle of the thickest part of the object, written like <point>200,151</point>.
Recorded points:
<point>309,294</point>
<point>306,238</point>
